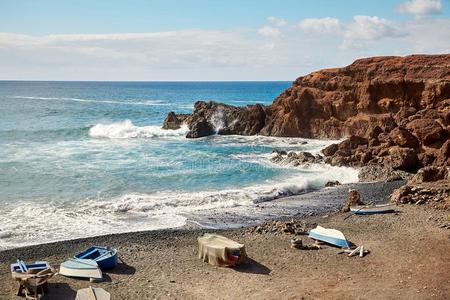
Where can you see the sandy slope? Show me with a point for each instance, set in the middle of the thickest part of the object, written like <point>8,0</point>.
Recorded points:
<point>409,259</point>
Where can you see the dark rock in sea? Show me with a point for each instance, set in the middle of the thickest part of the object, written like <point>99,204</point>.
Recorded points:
<point>330,150</point>
<point>174,121</point>
<point>279,152</point>
<point>332,183</point>
<point>200,128</point>
<point>226,119</point>
<point>295,159</point>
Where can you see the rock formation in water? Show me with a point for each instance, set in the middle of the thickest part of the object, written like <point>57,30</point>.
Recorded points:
<point>394,112</point>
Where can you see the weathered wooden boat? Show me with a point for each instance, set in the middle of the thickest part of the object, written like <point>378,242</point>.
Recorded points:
<point>330,236</point>
<point>105,257</point>
<point>81,268</point>
<point>372,209</point>
<point>91,293</point>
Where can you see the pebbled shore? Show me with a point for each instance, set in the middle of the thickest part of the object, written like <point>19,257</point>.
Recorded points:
<point>409,258</point>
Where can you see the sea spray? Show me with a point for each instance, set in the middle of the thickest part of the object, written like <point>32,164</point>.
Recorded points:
<point>126,130</point>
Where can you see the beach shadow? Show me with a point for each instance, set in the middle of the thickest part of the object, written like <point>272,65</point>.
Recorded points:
<point>122,269</point>
<point>253,267</point>
<point>58,290</point>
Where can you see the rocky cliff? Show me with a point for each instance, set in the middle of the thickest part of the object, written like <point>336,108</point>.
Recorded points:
<point>395,111</point>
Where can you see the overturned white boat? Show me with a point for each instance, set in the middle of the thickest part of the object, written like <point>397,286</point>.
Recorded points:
<point>330,236</point>
<point>81,268</point>
<point>372,209</point>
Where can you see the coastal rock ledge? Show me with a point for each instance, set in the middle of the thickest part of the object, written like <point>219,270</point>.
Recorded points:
<point>395,112</point>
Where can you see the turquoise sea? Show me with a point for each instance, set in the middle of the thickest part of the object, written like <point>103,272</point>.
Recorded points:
<point>81,159</point>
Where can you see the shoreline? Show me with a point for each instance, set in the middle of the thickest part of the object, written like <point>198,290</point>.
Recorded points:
<point>316,202</point>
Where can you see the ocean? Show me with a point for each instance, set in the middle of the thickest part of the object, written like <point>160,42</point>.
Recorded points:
<point>80,159</point>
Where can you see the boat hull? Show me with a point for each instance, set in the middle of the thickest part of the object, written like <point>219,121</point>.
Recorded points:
<point>372,210</point>
<point>33,267</point>
<point>81,268</point>
<point>105,257</point>
<point>330,236</point>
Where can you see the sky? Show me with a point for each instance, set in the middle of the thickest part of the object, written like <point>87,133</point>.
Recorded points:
<point>194,40</point>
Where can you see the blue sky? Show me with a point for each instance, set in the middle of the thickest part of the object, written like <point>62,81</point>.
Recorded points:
<point>52,17</point>
<point>209,40</point>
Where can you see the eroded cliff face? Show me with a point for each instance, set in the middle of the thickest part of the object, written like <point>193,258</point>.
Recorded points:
<point>379,91</point>
<point>395,109</point>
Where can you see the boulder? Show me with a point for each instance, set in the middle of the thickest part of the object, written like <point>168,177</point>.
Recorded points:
<point>430,174</point>
<point>378,172</point>
<point>353,199</point>
<point>443,158</point>
<point>402,159</point>
<point>427,131</point>
<point>295,159</point>
<point>332,183</point>
<point>200,128</point>
<point>330,150</point>
<point>403,138</point>
<point>401,195</point>
<point>174,121</point>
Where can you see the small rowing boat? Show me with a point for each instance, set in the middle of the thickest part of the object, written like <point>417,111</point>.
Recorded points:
<point>22,267</point>
<point>82,268</point>
<point>330,236</point>
<point>105,257</point>
<point>372,209</point>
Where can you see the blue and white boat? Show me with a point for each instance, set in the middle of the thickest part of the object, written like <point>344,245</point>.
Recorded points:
<point>330,236</point>
<point>81,268</point>
<point>105,257</point>
<point>372,209</point>
<point>22,267</point>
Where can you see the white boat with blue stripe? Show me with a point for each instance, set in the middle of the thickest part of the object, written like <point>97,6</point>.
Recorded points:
<point>373,209</point>
<point>330,236</point>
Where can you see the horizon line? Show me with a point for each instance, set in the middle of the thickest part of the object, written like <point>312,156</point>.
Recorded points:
<point>41,80</point>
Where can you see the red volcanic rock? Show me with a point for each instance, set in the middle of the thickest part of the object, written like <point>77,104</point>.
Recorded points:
<point>396,111</point>
<point>402,158</point>
<point>427,131</point>
<point>443,158</point>
<point>403,138</point>
<point>379,91</point>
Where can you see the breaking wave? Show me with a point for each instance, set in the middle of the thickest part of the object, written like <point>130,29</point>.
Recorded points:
<point>137,211</point>
<point>126,130</point>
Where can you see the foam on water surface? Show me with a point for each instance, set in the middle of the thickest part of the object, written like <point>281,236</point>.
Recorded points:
<point>81,159</point>
<point>126,130</point>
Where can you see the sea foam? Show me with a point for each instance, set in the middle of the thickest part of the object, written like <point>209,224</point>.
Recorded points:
<point>149,211</point>
<point>126,130</point>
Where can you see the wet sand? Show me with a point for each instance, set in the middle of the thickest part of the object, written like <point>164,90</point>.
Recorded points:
<point>409,259</point>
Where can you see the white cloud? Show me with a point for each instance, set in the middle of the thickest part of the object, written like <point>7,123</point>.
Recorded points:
<point>197,54</point>
<point>428,36</point>
<point>371,28</point>
<point>269,31</point>
<point>420,7</point>
<point>362,28</point>
<point>321,26</point>
<point>157,56</point>
<point>277,22</point>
